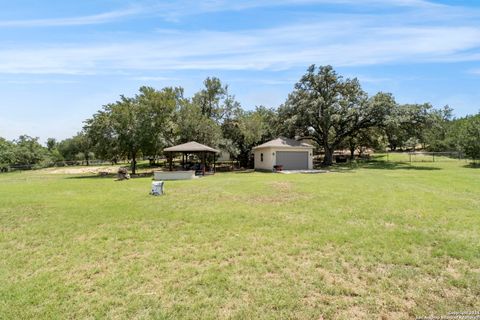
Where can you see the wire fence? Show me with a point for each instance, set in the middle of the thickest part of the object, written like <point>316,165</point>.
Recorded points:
<point>424,156</point>
<point>406,157</point>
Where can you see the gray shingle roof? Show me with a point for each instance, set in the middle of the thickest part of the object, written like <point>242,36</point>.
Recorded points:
<point>191,146</point>
<point>284,142</point>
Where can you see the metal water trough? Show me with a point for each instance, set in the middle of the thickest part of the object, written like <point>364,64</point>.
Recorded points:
<point>157,188</point>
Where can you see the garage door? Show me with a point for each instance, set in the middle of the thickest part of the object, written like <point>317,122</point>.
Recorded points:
<point>293,160</point>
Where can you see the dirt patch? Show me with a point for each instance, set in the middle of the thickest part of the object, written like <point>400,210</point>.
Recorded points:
<point>82,170</point>
<point>281,186</point>
<point>283,192</point>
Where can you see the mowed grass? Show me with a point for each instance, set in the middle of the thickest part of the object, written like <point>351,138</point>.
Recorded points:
<point>378,240</point>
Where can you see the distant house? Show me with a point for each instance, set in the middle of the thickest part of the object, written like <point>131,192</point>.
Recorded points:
<point>288,153</point>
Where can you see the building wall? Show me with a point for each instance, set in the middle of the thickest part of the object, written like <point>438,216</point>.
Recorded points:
<point>173,175</point>
<point>269,159</point>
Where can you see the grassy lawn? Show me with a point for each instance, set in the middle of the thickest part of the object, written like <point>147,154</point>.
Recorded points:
<point>381,240</point>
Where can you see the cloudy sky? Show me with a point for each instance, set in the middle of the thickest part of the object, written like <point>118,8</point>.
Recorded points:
<point>61,60</point>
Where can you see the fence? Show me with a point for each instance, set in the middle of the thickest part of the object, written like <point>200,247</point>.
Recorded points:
<point>424,156</point>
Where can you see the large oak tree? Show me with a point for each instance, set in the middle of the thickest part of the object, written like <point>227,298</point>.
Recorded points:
<point>329,109</point>
<point>141,125</point>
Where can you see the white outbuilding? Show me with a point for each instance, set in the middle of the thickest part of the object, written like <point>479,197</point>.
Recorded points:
<point>288,153</point>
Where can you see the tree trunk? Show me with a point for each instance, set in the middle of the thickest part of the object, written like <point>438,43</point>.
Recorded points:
<point>328,159</point>
<point>87,158</point>
<point>134,162</point>
<point>170,160</point>
<point>352,153</point>
<point>243,161</point>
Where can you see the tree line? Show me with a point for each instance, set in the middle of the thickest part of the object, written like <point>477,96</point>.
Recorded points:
<point>332,111</point>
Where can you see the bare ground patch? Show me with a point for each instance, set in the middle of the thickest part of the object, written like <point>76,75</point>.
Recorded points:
<point>281,192</point>
<point>82,170</point>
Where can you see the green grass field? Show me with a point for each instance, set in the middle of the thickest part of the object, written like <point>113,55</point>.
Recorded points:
<point>374,241</point>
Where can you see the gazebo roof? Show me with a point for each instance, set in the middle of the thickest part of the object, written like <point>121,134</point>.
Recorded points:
<point>191,146</point>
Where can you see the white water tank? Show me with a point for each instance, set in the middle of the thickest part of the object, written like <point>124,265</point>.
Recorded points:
<point>157,188</point>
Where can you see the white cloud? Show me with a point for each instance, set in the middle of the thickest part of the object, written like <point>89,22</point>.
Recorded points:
<point>474,71</point>
<point>428,35</point>
<point>191,7</point>
<point>74,21</point>
<point>37,81</point>
<point>150,78</point>
<point>351,43</point>
<point>175,10</point>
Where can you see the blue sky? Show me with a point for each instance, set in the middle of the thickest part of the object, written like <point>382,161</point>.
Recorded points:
<point>60,61</point>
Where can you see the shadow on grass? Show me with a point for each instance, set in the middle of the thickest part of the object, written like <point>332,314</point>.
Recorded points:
<point>111,176</point>
<point>381,165</point>
<point>248,171</point>
<point>150,166</point>
<point>472,165</point>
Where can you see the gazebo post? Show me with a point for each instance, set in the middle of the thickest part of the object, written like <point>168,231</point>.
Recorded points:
<point>171,160</point>
<point>204,163</point>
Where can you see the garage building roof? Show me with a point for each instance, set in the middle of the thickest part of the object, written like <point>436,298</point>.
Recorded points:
<point>284,142</point>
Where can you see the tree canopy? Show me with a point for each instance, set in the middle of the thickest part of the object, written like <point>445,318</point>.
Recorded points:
<point>140,125</point>
<point>334,112</point>
<point>329,109</point>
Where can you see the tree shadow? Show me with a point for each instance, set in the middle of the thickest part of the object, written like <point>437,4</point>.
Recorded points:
<point>248,171</point>
<point>472,165</point>
<point>108,176</point>
<point>111,176</point>
<point>146,165</point>
<point>397,166</point>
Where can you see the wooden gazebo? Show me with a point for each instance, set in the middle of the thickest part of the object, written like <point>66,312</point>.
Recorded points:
<point>192,147</point>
